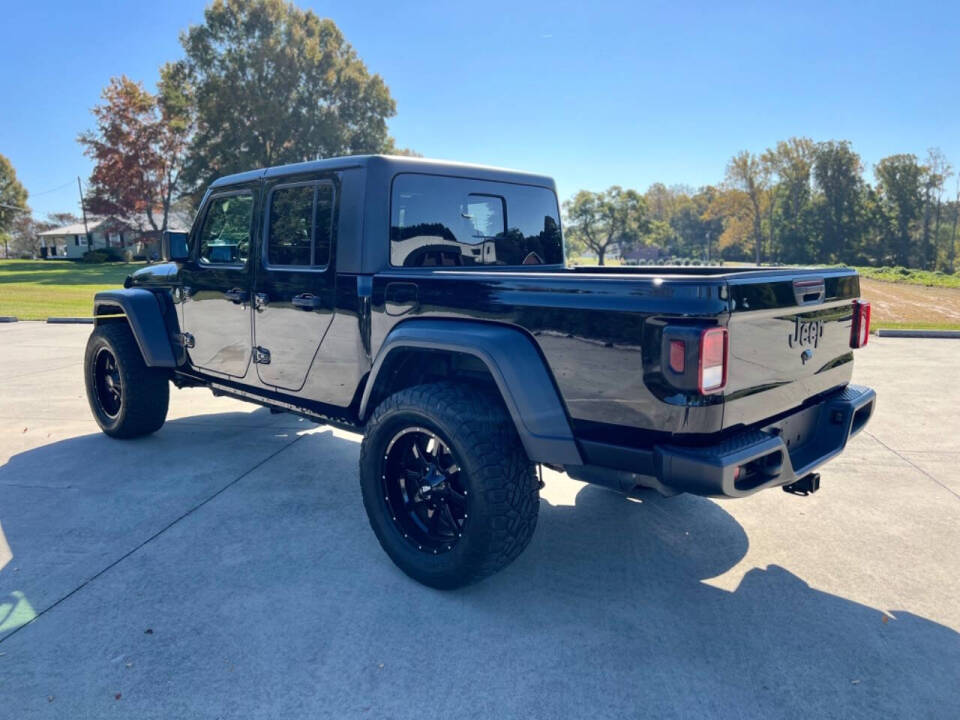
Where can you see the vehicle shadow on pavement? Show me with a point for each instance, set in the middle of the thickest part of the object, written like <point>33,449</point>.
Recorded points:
<point>624,578</point>
<point>280,579</point>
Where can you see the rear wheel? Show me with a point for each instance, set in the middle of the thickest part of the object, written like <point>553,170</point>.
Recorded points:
<point>447,486</point>
<point>128,399</point>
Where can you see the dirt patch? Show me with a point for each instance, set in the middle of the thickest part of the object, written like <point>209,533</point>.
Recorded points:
<point>911,304</point>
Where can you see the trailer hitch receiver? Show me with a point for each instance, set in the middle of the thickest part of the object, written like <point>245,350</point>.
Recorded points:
<point>807,485</point>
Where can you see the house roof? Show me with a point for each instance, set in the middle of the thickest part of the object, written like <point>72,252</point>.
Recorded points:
<point>75,228</point>
<point>176,222</point>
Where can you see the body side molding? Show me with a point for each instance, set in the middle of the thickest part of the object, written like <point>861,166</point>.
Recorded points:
<point>518,369</point>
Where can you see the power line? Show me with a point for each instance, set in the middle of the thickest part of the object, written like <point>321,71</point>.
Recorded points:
<point>47,192</point>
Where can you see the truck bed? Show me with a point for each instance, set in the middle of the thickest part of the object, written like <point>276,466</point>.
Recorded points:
<point>601,332</point>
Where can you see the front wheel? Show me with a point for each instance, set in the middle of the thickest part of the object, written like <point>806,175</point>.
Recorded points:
<point>447,486</point>
<point>128,399</point>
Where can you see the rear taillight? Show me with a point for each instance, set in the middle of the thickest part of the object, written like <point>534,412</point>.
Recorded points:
<point>678,351</point>
<point>713,360</point>
<point>860,330</point>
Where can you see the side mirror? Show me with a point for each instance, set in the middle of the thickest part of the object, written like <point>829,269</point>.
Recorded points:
<point>173,246</point>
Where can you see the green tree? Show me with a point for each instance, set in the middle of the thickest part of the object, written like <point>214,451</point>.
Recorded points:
<point>900,186</point>
<point>696,232</point>
<point>614,218</point>
<point>937,170</point>
<point>275,84</point>
<point>26,236</point>
<point>747,174</point>
<point>13,202</point>
<point>839,213</point>
<point>790,162</point>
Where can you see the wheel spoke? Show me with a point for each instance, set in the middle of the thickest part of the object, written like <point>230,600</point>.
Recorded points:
<point>456,497</point>
<point>415,503</point>
<point>419,455</point>
<point>449,519</point>
<point>434,521</point>
<point>423,449</point>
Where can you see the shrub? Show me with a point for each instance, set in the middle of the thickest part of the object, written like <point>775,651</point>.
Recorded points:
<point>102,255</point>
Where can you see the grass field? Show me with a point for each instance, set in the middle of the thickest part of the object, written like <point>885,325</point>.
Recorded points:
<point>38,289</point>
<point>909,276</point>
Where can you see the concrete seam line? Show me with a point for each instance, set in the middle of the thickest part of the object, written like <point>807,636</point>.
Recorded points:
<point>913,465</point>
<point>150,539</point>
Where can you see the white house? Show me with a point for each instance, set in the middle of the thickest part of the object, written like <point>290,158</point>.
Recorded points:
<point>70,241</point>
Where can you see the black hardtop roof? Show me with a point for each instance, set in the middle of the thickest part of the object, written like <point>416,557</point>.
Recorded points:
<point>390,165</point>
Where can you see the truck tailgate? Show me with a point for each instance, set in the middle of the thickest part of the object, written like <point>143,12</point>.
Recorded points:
<point>789,334</point>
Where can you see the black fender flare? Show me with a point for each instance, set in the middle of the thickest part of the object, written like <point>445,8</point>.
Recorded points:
<point>517,368</point>
<point>145,317</point>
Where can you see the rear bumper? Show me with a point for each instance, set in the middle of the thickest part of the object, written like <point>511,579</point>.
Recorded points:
<point>774,455</point>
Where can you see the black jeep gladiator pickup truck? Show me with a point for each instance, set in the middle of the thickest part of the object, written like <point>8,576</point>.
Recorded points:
<point>428,304</point>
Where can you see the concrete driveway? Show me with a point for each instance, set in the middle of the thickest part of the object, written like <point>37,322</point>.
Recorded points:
<point>224,568</point>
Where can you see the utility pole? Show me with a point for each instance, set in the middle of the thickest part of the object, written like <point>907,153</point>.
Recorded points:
<point>953,238</point>
<point>83,210</point>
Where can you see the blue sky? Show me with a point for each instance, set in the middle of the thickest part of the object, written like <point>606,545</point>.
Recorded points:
<point>592,93</point>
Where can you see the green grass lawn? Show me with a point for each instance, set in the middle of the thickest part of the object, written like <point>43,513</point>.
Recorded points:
<point>38,289</point>
<point>910,276</point>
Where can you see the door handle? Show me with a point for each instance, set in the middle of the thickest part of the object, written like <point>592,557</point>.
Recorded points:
<point>307,301</point>
<point>236,295</point>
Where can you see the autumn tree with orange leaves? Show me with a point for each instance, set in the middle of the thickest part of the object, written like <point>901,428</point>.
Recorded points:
<point>139,148</point>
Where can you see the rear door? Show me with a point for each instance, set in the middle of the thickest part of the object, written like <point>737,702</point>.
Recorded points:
<point>294,293</point>
<point>789,340</point>
<point>216,283</point>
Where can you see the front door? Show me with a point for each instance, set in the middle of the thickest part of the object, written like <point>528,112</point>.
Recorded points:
<point>295,280</point>
<point>216,284</point>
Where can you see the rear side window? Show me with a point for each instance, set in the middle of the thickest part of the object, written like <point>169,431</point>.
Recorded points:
<point>225,235</point>
<point>300,226</point>
<point>455,222</point>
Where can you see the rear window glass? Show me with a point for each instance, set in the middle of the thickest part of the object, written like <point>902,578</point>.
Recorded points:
<point>301,225</point>
<point>455,222</point>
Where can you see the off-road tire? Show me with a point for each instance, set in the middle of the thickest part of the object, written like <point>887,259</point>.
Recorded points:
<point>144,391</point>
<point>503,498</point>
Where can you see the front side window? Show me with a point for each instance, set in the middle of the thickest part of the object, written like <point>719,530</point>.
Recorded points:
<point>225,235</point>
<point>452,222</point>
<point>300,226</point>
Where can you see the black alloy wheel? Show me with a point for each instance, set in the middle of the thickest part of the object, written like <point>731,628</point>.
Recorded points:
<point>107,383</point>
<point>424,490</point>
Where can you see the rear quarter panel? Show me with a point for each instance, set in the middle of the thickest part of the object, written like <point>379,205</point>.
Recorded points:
<point>593,333</point>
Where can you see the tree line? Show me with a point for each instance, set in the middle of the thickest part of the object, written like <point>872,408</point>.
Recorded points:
<point>798,202</point>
